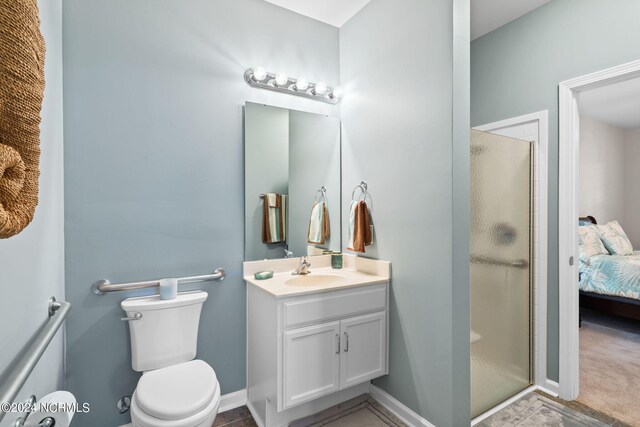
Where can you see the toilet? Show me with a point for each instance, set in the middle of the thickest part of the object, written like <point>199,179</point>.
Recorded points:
<point>175,390</point>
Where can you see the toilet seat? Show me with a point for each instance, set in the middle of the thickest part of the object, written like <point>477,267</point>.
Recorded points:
<point>183,395</point>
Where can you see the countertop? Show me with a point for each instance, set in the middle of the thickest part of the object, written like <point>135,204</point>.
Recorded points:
<point>357,271</point>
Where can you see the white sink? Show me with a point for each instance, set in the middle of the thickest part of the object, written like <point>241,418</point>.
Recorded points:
<point>313,280</point>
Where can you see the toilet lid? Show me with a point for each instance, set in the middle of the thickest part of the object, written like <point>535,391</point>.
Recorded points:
<point>177,391</point>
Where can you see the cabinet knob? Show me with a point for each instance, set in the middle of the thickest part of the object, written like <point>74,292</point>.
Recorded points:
<point>338,343</point>
<point>346,342</point>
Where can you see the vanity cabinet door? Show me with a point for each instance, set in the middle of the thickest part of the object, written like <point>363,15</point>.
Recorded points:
<point>311,363</point>
<point>364,349</point>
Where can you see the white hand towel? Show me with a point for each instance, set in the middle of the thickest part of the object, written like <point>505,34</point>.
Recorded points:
<point>315,224</point>
<point>352,221</point>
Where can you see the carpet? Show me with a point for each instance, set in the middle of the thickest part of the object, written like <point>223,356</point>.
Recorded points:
<point>610,371</point>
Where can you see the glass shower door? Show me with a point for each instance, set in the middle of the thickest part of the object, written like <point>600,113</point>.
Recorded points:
<point>501,344</point>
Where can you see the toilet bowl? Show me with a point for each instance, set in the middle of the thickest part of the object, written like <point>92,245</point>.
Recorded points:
<point>175,390</point>
<point>183,395</point>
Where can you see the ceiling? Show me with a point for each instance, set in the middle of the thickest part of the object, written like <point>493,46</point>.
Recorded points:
<point>488,15</point>
<point>333,12</point>
<point>617,104</point>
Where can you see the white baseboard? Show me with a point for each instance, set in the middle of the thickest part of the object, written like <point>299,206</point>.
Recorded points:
<point>233,400</point>
<point>405,414</point>
<point>550,387</point>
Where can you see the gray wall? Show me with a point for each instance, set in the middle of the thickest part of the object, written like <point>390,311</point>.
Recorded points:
<point>154,98</point>
<point>632,175</point>
<point>32,262</point>
<point>396,67</point>
<point>603,190</point>
<point>516,69</point>
<point>461,309</point>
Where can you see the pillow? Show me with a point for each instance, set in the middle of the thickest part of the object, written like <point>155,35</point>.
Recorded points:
<point>589,243</point>
<point>615,239</point>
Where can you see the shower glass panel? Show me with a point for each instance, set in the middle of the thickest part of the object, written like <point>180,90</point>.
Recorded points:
<point>501,345</point>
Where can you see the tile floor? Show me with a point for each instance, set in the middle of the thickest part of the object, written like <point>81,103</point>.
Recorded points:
<point>533,410</point>
<point>539,410</point>
<point>238,417</point>
<point>363,411</point>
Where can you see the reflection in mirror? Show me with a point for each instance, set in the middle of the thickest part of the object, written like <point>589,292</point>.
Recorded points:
<point>292,183</point>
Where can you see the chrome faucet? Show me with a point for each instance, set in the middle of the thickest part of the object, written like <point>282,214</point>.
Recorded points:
<point>288,253</point>
<point>303,268</point>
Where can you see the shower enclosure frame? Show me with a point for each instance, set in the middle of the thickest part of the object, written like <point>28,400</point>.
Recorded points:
<point>540,258</point>
<point>568,187</point>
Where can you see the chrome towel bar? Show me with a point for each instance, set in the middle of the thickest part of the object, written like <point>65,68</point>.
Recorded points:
<point>102,287</point>
<point>20,373</point>
<point>517,263</point>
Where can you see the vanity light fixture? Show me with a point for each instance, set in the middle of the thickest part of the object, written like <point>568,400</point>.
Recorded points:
<point>320,88</point>
<point>301,85</point>
<point>258,77</point>
<point>336,93</point>
<point>282,79</point>
<point>259,73</point>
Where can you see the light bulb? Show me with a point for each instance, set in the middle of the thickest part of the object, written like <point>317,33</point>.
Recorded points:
<point>259,73</point>
<point>302,84</point>
<point>337,93</point>
<point>320,88</point>
<point>281,79</point>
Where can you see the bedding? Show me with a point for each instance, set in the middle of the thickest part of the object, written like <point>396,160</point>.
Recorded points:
<point>615,275</point>
<point>615,239</point>
<point>590,243</point>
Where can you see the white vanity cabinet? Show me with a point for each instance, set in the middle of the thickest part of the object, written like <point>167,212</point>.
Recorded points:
<point>310,363</point>
<point>364,348</point>
<point>305,347</point>
<point>320,359</point>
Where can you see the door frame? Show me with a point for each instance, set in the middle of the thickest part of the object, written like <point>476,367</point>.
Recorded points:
<point>568,187</point>
<point>540,233</point>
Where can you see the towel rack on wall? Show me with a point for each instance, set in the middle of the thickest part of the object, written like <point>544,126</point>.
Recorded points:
<point>516,263</point>
<point>58,311</point>
<point>323,194</point>
<point>363,188</point>
<point>102,287</point>
<point>364,193</point>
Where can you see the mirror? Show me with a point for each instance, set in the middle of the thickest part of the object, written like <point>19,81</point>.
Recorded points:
<point>292,183</point>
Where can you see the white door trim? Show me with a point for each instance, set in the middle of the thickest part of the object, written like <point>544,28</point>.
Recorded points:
<point>568,145</point>
<point>540,226</point>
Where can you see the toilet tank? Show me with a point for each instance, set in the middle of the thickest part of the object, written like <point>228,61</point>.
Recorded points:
<point>167,332</point>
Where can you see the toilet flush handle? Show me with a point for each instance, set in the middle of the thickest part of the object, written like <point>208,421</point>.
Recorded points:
<point>136,316</point>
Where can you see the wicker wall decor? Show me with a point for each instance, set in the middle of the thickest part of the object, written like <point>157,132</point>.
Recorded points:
<point>21,91</point>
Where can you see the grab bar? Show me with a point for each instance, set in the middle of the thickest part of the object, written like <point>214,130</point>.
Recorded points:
<point>102,287</point>
<point>58,311</point>
<point>518,263</point>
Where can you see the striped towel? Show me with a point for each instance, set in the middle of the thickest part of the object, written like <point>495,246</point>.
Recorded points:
<point>274,218</point>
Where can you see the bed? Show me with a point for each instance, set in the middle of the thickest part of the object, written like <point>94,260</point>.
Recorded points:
<point>610,283</point>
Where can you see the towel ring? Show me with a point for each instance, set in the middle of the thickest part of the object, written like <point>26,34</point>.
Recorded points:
<point>364,192</point>
<point>323,194</point>
<point>363,188</point>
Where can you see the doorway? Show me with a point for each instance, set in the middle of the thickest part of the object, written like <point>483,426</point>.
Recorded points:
<point>577,270</point>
